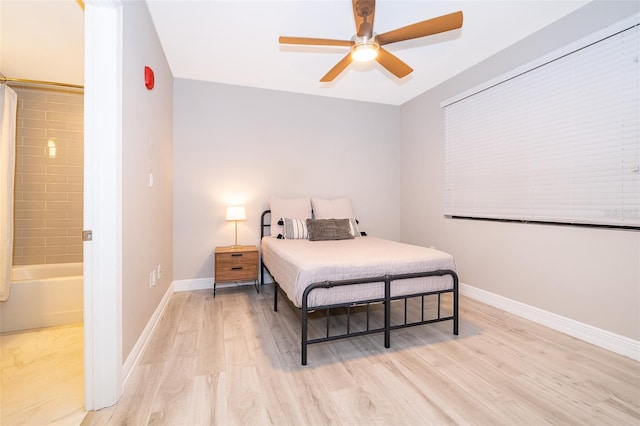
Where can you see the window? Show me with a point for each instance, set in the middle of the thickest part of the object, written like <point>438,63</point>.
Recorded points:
<point>559,142</point>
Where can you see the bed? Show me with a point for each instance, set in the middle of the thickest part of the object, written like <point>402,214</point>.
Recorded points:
<point>356,272</point>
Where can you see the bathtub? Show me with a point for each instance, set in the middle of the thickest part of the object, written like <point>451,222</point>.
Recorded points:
<point>43,296</point>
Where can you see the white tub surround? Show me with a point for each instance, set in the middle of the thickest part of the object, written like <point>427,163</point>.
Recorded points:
<point>43,296</point>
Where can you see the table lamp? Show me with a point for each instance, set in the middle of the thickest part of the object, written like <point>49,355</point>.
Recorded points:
<point>236,213</point>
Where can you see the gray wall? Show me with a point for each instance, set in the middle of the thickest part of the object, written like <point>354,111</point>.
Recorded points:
<point>240,145</point>
<point>146,148</point>
<point>589,275</point>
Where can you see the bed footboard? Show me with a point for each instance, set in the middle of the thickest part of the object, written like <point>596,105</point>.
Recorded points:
<point>386,301</point>
<point>386,329</point>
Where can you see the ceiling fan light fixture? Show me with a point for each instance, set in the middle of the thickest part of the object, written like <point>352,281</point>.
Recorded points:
<point>364,50</point>
<point>365,44</point>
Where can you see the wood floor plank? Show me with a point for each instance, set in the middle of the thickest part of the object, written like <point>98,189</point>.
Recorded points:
<point>233,361</point>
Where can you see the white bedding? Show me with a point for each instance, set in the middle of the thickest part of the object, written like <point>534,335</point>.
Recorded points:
<point>295,264</point>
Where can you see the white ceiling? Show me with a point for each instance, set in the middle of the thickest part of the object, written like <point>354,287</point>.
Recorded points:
<point>236,42</point>
<point>42,40</point>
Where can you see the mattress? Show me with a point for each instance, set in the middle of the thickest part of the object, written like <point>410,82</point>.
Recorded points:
<point>297,263</point>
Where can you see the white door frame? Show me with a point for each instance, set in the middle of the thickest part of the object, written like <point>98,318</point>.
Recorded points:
<point>103,30</point>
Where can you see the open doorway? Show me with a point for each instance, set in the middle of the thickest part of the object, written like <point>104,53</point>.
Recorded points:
<point>42,318</point>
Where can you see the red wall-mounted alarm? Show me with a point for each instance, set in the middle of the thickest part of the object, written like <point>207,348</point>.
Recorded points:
<point>149,79</point>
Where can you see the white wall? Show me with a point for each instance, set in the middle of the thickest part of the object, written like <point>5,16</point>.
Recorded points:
<point>240,145</point>
<point>146,148</point>
<point>589,275</point>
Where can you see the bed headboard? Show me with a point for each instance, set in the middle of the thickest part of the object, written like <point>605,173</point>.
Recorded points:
<point>265,222</point>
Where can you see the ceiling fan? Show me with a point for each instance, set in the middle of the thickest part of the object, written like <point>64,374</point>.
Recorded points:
<point>367,45</point>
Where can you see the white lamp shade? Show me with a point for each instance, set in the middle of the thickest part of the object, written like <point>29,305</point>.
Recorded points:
<point>236,213</point>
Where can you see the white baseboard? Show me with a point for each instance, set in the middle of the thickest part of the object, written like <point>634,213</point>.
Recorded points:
<point>142,342</point>
<point>597,336</point>
<point>195,284</point>
<point>204,284</point>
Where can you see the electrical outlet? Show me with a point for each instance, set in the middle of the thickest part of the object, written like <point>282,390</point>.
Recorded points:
<point>159,271</point>
<point>153,278</point>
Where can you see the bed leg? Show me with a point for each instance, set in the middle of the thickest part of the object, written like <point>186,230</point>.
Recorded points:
<point>387,313</point>
<point>276,287</point>
<point>303,348</point>
<point>455,305</point>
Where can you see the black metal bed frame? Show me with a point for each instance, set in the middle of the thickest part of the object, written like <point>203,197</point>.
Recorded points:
<point>385,300</point>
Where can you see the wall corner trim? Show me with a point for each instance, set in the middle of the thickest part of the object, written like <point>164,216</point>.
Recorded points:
<point>602,338</point>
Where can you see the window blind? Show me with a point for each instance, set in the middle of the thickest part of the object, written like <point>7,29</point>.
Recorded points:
<point>557,143</point>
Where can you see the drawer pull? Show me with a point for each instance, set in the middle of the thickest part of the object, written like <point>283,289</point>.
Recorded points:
<point>236,268</point>
<point>236,254</point>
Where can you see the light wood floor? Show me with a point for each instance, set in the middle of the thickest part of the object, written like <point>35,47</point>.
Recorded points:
<point>42,376</point>
<point>233,361</point>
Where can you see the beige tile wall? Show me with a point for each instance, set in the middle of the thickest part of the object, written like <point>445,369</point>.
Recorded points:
<point>49,175</point>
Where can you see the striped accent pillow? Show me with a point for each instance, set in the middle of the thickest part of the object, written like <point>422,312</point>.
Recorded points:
<point>295,229</point>
<point>353,227</point>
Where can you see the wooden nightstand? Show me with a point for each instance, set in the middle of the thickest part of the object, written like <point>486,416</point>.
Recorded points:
<point>235,264</point>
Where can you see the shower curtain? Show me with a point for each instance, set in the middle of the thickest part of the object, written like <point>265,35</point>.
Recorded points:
<point>8,107</point>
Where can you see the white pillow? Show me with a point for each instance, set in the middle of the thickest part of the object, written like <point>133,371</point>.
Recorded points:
<point>340,208</point>
<point>292,208</point>
<point>295,229</point>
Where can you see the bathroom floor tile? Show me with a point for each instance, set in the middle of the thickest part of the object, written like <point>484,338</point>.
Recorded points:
<point>42,376</point>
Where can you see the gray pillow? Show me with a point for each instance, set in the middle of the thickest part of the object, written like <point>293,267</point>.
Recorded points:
<point>329,229</point>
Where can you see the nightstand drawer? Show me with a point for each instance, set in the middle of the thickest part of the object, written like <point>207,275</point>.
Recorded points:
<point>236,273</point>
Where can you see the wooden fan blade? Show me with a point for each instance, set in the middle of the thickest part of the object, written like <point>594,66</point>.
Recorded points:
<point>437,25</point>
<point>393,63</point>
<point>314,41</point>
<point>337,69</point>
<point>361,8</point>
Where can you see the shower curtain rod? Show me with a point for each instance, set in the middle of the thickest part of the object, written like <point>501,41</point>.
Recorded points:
<point>47,83</point>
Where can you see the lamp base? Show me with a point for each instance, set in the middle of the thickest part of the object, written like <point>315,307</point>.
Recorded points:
<point>235,247</point>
